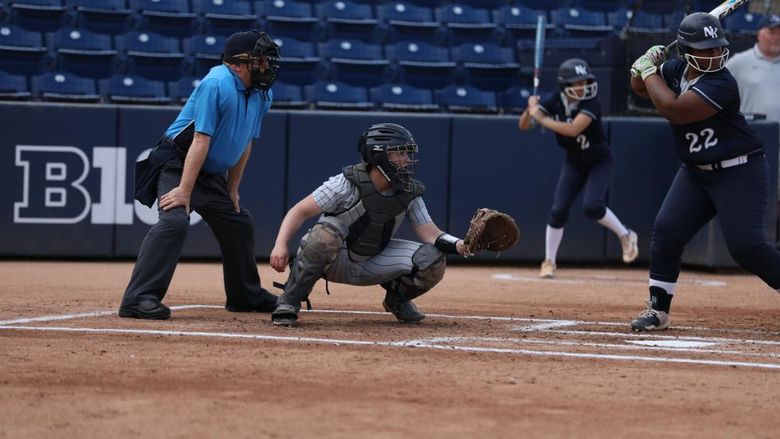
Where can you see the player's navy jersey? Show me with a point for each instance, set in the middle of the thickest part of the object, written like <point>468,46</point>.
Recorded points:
<point>723,136</point>
<point>590,143</point>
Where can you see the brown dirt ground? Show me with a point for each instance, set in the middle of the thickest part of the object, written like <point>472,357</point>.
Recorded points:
<point>79,384</point>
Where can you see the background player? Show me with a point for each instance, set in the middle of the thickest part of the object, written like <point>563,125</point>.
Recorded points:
<point>575,116</point>
<point>724,170</point>
<point>352,242</point>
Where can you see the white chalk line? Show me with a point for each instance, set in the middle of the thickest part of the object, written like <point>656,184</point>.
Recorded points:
<point>601,279</point>
<point>652,335</point>
<point>402,344</point>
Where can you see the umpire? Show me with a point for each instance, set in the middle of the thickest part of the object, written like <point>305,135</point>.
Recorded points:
<point>198,165</point>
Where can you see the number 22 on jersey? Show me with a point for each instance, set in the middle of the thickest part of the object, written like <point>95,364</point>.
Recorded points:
<point>705,138</point>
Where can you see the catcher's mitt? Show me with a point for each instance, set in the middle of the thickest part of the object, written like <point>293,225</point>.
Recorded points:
<point>490,230</point>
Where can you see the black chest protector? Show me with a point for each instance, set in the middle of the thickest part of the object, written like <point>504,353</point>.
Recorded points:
<point>370,232</point>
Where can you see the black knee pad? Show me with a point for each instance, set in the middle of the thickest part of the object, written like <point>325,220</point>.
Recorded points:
<point>430,264</point>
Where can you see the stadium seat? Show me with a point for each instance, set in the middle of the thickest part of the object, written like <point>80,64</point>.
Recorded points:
<point>332,95</point>
<point>152,55</point>
<point>488,67</point>
<point>169,18</point>
<point>64,87</point>
<point>603,5</point>
<point>300,63</point>
<point>13,87</point>
<point>467,24</point>
<point>102,16</point>
<point>422,64</point>
<point>409,22</point>
<point>348,20</point>
<point>21,51</point>
<point>225,17</point>
<point>402,97</point>
<point>520,22</point>
<point>515,100</point>
<point>83,53</point>
<point>128,89</point>
<point>580,22</point>
<point>205,51</point>
<point>597,51</point>
<point>663,6</point>
<point>355,62</point>
<point>466,99</point>
<point>289,18</point>
<point>545,5</point>
<point>38,15</point>
<point>643,23</point>
<point>288,96</point>
<point>181,89</point>
<point>741,22</point>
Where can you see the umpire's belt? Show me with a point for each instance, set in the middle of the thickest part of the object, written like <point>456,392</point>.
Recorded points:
<point>736,161</point>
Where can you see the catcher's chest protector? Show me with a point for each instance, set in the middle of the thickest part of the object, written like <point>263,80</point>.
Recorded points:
<point>372,219</point>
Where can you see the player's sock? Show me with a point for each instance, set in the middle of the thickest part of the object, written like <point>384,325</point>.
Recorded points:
<point>610,221</point>
<point>552,240</point>
<point>661,294</point>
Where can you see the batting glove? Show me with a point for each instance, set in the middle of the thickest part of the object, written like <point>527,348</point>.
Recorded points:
<point>643,67</point>
<point>657,54</point>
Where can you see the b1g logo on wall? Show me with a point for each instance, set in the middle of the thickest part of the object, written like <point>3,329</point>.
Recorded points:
<point>53,189</point>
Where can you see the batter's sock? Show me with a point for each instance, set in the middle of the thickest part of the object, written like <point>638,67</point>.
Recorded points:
<point>552,240</point>
<point>610,221</point>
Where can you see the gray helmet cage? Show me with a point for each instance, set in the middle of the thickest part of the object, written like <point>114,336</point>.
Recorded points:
<point>381,139</point>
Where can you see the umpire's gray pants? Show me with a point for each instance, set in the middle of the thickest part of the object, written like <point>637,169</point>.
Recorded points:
<point>162,247</point>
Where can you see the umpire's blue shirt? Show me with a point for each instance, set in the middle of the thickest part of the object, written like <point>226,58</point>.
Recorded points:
<point>222,108</point>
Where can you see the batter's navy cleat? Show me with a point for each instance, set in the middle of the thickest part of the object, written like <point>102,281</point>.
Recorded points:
<point>548,269</point>
<point>630,244</point>
<point>405,312</point>
<point>284,315</point>
<point>146,309</point>
<point>263,302</point>
<point>650,320</point>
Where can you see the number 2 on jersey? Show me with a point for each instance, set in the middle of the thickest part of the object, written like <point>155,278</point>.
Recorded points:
<point>583,141</point>
<point>707,135</point>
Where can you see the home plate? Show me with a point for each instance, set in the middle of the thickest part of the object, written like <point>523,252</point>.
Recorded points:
<point>673,343</point>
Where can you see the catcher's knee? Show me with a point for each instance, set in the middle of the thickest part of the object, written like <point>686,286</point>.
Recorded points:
<point>321,244</point>
<point>430,264</point>
<point>595,211</point>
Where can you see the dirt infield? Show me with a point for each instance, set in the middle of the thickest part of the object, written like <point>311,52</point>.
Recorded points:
<point>501,354</point>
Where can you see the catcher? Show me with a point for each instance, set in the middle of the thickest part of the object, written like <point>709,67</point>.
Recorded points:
<point>352,243</point>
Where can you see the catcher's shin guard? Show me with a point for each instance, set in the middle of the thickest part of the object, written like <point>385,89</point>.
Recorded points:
<point>429,264</point>
<point>319,249</point>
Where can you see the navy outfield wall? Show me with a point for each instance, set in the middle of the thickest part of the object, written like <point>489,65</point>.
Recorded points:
<point>68,174</point>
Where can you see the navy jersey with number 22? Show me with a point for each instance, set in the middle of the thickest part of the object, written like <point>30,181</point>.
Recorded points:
<point>721,137</point>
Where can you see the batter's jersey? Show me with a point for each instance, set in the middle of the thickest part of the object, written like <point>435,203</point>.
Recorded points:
<point>591,142</point>
<point>723,136</point>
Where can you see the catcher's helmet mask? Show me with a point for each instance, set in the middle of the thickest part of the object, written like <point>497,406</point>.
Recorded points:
<point>575,70</point>
<point>254,48</point>
<point>391,149</point>
<point>701,30</point>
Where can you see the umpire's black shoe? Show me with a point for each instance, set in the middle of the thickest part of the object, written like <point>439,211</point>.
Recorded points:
<point>146,309</point>
<point>405,312</point>
<point>263,302</point>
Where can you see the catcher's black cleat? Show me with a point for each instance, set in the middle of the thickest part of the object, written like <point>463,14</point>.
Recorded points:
<point>284,315</point>
<point>405,312</point>
<point>263,302</point>
<point>146,309</point>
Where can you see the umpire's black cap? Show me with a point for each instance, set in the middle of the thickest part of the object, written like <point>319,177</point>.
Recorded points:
<point>240,42</point>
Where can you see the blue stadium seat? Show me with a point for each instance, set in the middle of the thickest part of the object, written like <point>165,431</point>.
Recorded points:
<point>300,64</point>
<point>520,22</point>
<point>422,64</point>
<point>409,22</point>
<point>597,51</point>
<point>289,18</point>
<point>603,5</point>
<point>128,89</point>
<point>181,89</point>
<point>152,55</point>
<point>350,20</point>
<point>663,6</point>
<point>288,96</point>
<point>486,4</point>
<point>402,97</point>
<point>64,87</point>
<point>355,62</point>
<point>643,23</point>
<point>545,5</point>
<point>102,16</point>
<point>467,24</point>
<point>488,67</point>
<point>38,15</point>
<point>13,87</point>
<point>205,51</point>
<point>580,22</point>
<point>742,22</point>
<point>225,17</point>
<point>21,51</point>
<point>466,99</point>
<point>515,100</point>
<point>83,53</point>
<point>332,95</point>
<point>169,17</point>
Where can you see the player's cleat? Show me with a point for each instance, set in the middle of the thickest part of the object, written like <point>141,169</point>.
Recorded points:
<point>146,309</point>
<point>630,245</point>
<point>263,302</point>
<point>284,315</point>
<point>548,269</point>
<point>405,312</point>
<point>650,320</point>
